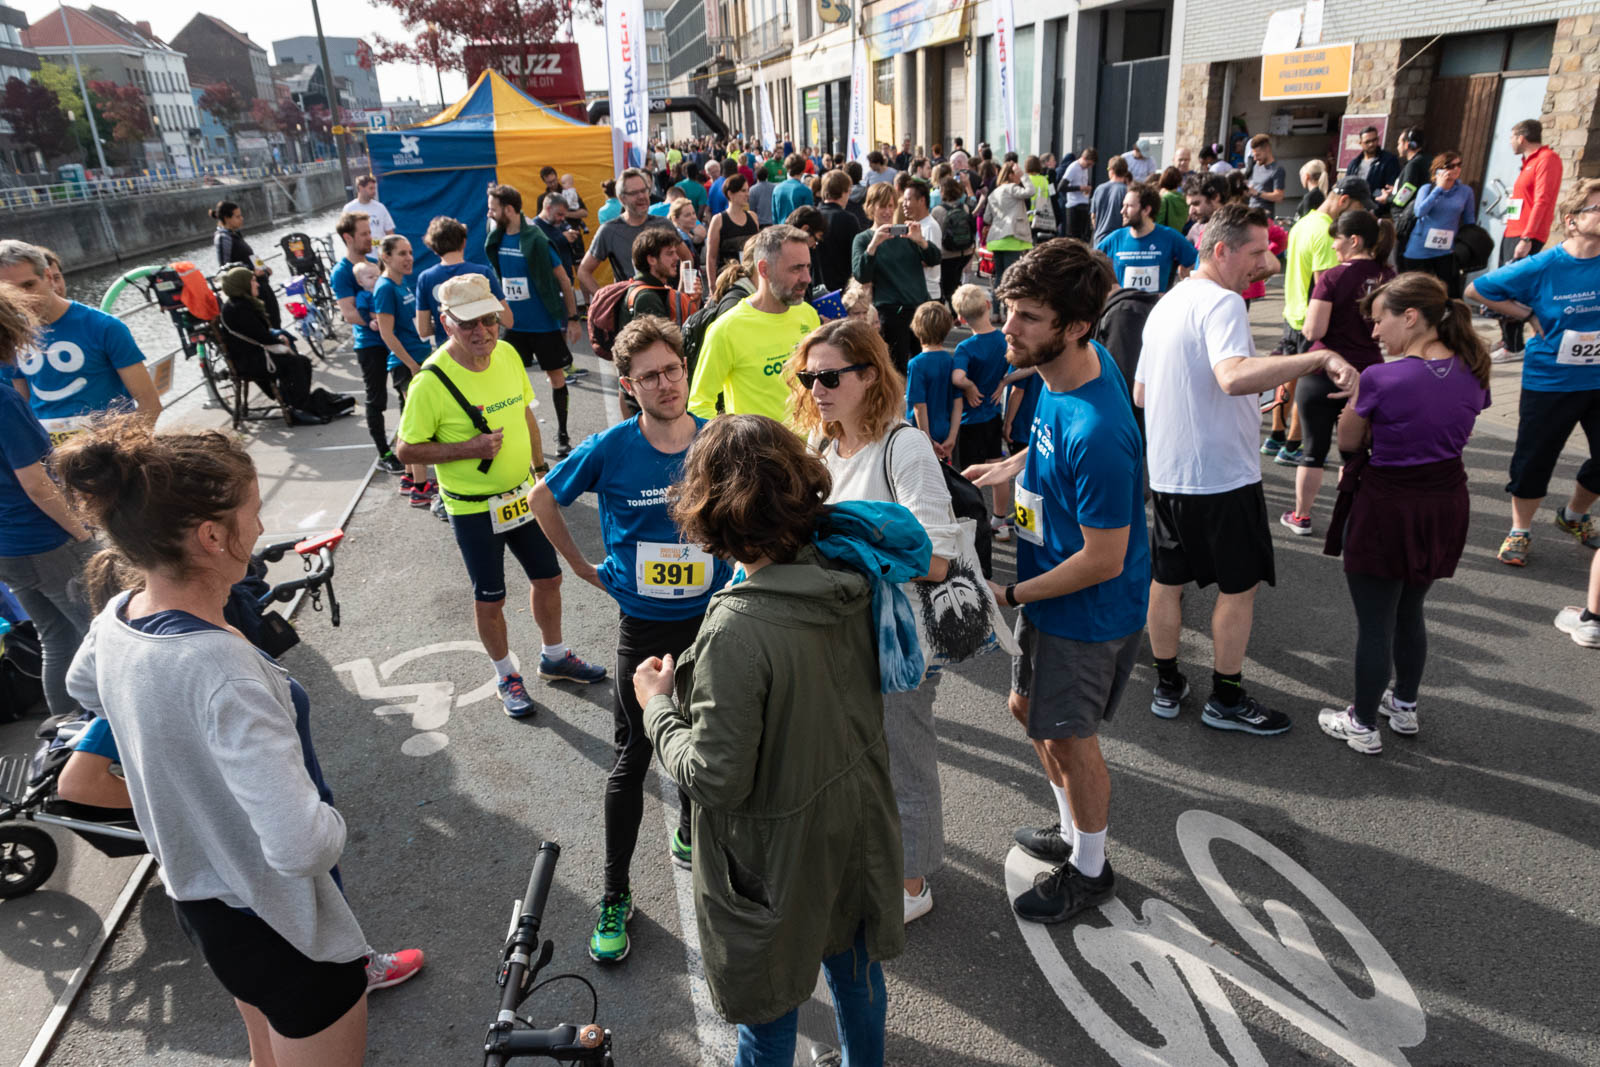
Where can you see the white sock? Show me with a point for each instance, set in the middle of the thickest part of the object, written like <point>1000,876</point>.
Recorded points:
<point>1089,852</point>
<point>504,667</point>
<point>554,651</point>
<point>1064,806</point>
<point>1572,516</point>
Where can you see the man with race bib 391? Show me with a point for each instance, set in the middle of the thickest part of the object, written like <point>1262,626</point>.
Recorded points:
<point>661,584</point>
<point>85,361</point>
<point>470,414</point>
<point>1557,292</point>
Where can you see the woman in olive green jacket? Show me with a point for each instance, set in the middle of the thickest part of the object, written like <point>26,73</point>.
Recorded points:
<point>776,733</point>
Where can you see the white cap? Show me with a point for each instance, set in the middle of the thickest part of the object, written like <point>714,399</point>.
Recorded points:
<point>467,297</point>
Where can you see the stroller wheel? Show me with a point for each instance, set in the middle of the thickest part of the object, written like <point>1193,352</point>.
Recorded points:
<point>27,860</point>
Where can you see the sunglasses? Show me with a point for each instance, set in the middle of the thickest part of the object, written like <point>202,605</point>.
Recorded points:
<point>488,322</point>
<point>829,378</point>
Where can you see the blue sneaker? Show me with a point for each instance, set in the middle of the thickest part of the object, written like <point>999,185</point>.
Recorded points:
<point>570,668</point>
<point>1272,446</point>
<point>514,695</point>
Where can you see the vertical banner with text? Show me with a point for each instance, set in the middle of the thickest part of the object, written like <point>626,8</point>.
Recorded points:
<point>764,123</point>
<point>628,81</point>
<point>860,98</point>
<point>1006,68</point>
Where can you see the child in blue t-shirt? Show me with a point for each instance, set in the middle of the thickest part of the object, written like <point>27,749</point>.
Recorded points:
<point>933,405</point>
<point>980,367</point>
<point>366,275</point>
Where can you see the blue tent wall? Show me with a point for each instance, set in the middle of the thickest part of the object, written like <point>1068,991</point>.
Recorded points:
<point>447,172</point>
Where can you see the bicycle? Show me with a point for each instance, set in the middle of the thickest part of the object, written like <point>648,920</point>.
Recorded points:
<point>308,317</point>
<point>518,977</point>
<point>306,259</point>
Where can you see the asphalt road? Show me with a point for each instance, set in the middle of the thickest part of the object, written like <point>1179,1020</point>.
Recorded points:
<point>1279,900</point>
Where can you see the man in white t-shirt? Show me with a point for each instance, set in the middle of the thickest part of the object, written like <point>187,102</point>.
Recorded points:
<point>1197,380</point>
<point>1075,188</point>
<point>914,205</point>
<point>1140,166</point>
<point>366,201</point>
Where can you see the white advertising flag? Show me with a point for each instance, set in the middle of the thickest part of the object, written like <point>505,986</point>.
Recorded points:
<point>1004,22</point>
<point>628,82</point>
<point>860,88</point>
<point>764,112</point>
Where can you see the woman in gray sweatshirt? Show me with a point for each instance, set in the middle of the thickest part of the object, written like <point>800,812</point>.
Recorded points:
<point>212,739</point>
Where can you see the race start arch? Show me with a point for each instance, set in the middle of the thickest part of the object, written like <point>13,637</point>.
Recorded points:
<point>601,108</point>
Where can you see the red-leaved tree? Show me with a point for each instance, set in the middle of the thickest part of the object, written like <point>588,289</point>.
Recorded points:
<point>226,104</point>
<point>264,113</point>
<point>290,118</point>
<point>36,118</point>
<point>319,120</point>
<point>443,29</point>
<point>124,110</point>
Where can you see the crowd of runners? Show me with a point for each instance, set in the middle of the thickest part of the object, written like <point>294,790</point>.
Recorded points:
<point>803,470</point>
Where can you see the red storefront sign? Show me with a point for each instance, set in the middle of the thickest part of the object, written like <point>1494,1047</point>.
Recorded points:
<point>551,73</point>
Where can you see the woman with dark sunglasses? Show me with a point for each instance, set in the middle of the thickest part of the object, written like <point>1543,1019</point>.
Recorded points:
<point>846,398</point>
<point>1444,205</point>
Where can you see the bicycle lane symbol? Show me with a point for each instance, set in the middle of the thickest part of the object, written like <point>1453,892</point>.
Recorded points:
<point>1150,958</point>
<point>430,702</point>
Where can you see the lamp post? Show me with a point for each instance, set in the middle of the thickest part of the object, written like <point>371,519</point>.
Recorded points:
<point>83,90</point>
<point>332,89</point>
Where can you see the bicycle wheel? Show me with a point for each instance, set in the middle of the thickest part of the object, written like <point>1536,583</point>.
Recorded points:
<point>219,378</point>
<point>311,331</point>
<point>27,860</point>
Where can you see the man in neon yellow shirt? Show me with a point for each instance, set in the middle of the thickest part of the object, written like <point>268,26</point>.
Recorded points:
<point>469,413</point>
<point>1309,253</point>
<point>746,347</point>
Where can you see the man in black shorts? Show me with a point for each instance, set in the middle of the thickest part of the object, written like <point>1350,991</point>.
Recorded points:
<point>544,311</point>
<point>1197,380</point>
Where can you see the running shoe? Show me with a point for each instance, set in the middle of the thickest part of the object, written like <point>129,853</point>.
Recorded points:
<point>682,851</point>
<point>385,969</point>
<point>389,464</point>
<point>574,372</point>
<point>1044,843</point>
<point>1514,550</point>
<point>919,905</point>
<point>1164,703</point>
<point>1290,457</point>
<point>1272,446</point>
<point>570,668</point>
<point>407,484</point>
<point>1582,529</point>
<point>609,942</point>
<point>1570,621</point>
<point>423,494</point>
<point>1249,716</point>
<point>1300,524</point>
<point>1401,720</point>
<point>437,508</point>
<point>1063,893</point>
<point>563,446</point>
<point>514,695</point>
<point>1341,724</point>
<point>1001,527</point>
<point>1501,354</point>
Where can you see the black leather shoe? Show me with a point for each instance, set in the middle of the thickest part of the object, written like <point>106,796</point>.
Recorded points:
<point>1044,843</point>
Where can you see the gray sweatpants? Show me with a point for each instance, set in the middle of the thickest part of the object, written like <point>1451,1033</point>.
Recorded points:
<point>914,772</point>
<point>49,588</point>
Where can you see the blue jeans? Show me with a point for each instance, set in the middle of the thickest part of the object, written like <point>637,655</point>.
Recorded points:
<point>860,1004</point>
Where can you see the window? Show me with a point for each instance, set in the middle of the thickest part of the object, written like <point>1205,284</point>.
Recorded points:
<point>883,85</point>
<point>655,19</point>
<point>655,53</point>
<point>351,60</point>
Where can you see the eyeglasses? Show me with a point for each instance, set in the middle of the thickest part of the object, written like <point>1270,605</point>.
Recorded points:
<point>1590,210</point>
<point>1454,165</point>
<point>642,190</point>
<point>487,322</point>
<point>655,379</point>
<point>829,378</point>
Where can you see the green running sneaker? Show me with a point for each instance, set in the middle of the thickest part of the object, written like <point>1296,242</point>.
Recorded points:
<point>609,942</point>
<point>682,851</point>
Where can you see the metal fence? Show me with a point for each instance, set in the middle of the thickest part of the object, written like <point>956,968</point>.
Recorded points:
<point>25,197</point>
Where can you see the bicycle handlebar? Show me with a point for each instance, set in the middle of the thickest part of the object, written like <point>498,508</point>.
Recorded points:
<point>519,968</point>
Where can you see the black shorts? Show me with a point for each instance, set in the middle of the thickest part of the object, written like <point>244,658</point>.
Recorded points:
<point>1219,539</point>
<point>1544,422</point>
<point>484,553</point>
<point>402,382</point>
<point>978,442</point>
<point>1319,415</point>
<point>1071,686</point>
<point>549,348</point>
<point>299,996</point>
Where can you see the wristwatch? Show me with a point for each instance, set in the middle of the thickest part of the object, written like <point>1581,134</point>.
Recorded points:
<point>1011,595</point>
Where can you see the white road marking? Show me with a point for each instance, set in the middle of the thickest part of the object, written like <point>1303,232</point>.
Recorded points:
<point>1149,957</point>
<point>431,702</point>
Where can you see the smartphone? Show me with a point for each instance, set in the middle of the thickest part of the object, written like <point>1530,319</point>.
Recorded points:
<point>897,231</point>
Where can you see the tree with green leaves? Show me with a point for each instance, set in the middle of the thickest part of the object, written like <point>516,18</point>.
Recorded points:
<point>63,85</point>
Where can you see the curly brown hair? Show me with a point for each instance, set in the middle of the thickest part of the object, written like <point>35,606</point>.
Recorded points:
<point>18,328</point>
<point>750,490</point>
<point>861,343</point>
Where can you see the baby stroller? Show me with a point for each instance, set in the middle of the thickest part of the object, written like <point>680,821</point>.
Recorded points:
<point>28,782</point>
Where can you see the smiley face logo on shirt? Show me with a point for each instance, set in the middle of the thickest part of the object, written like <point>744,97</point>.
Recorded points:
<point>63,356</point>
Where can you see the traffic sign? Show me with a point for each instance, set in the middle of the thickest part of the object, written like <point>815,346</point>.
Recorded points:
<point>339,131</point>
<point>379,118</point>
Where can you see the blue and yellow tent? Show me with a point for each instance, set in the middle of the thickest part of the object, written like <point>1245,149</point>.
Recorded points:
<point>496,134</point>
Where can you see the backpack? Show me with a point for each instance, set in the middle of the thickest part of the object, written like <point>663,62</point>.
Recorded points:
<point>603,311</point>
<point>696,326</point>
<point>959,229</point>
<point>966,500</point>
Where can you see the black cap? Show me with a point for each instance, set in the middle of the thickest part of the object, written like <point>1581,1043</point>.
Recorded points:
<point>1356,189</point>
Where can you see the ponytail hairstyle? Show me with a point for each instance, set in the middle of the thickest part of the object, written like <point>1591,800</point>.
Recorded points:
<point>146,490</point>
<point>225,210</point>
<point>1314,175</point>
<point>1377,235</point>
<point>1451,319</point>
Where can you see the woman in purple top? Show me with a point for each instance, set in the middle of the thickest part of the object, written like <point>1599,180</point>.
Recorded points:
<point>1401,519</point>
<point>1334,320</point>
